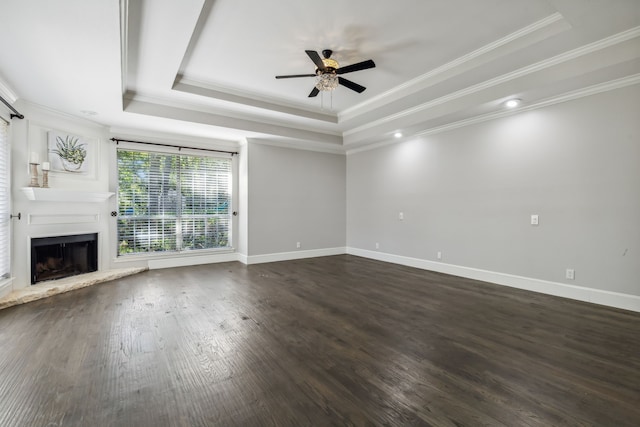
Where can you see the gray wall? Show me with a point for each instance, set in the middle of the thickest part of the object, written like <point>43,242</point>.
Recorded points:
<point>469,193</point>
<point>295,196</point>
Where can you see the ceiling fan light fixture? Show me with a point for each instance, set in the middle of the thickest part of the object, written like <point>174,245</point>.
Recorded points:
<point>326,81</point>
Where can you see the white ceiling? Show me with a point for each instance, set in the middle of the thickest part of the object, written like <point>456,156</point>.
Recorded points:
<point>206,67</point>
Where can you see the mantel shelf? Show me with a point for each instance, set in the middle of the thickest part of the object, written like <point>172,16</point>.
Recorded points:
<point>65,196</point>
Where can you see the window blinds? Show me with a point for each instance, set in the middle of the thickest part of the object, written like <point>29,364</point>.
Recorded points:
<point>169,202</point>
<point>5,200</point>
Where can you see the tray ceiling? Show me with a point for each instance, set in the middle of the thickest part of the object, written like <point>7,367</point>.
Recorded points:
<point>206,68</point>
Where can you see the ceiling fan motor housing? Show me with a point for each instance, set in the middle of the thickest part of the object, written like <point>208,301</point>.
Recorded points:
<point>330,65</point>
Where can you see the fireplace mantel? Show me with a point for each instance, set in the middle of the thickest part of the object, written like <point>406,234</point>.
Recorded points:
<point>65,196</point>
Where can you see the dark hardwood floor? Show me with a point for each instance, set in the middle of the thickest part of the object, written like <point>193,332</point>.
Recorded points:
<point>328,341</point>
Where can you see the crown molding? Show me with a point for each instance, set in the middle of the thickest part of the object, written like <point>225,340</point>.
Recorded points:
<point>237,96</point>
<point>568,96</point>
<point>29,105</point>
<point>222,119</point>
<point>171,138</point>
<point>543,28</point>
<point>7,93</point>
<point>299,145</point>
<point>124,42</point>
<point>565,97</point>
<point>131,97</point>
<point>541,65</point>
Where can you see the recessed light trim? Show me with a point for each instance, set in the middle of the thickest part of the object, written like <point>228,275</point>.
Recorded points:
<point>512,103</point>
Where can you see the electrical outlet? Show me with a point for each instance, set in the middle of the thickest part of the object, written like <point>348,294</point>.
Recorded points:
<point>377,245</point>
<point>439,255</point>
<point>298,245</point>
<point>570,274</point>
<point>534,220</point>
<point>401,216</point>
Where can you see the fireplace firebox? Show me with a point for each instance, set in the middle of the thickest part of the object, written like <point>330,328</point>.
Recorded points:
<point>63,256</point>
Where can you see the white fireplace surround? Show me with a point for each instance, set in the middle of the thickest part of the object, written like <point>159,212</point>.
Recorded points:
<point>54,218</point>
<point>63,223</point>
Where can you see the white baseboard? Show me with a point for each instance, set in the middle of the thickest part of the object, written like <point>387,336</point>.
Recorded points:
<point>580,293</point>
<point>285,256</point>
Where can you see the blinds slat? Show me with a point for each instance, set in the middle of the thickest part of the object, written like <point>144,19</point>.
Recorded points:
<point>170,202</point>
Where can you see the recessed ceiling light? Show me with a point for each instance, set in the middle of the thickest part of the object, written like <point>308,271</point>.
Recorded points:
<point>88,113</point>
<point>512,103</point>
<point>398,134</point>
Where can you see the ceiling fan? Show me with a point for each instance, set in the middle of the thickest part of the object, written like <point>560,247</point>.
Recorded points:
<point>328,71</point>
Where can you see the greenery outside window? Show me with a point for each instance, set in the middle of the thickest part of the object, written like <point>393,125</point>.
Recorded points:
<point>172,203</point>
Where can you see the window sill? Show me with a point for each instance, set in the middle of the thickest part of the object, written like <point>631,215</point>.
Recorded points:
<point>183,259</point>
<point>171,255</point>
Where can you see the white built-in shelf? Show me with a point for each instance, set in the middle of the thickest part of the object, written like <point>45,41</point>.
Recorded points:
<point>65,196</point>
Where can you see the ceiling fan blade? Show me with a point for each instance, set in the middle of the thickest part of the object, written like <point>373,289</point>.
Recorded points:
<point>316,59</point>
<point>295,75</point>
<point>351,85</point>
<point>314,92</point>
<point>356,67</point>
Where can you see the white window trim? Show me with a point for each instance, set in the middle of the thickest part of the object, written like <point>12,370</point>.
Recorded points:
<point>184,150</point>
<point>6,283</point>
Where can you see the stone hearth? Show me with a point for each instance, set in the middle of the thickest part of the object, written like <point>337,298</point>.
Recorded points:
<point>54,287</point>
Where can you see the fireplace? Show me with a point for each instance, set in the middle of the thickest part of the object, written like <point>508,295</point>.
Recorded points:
<point>63,256</point>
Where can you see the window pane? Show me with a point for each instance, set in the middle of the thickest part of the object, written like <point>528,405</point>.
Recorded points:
<point>163,185</point>
<point>170,203</point>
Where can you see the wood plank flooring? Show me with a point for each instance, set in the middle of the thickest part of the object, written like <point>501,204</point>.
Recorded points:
<point>327,341</point>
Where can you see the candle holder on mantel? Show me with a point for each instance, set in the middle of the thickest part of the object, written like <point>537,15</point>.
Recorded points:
<point>34,175</point>
<point>45,174</point>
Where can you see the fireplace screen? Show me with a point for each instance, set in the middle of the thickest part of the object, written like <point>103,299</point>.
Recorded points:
<point>63,256</point>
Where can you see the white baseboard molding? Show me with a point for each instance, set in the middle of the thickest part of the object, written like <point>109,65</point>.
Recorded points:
<point>580,293</point>
<point>184,261</point>
<point>286,256</point>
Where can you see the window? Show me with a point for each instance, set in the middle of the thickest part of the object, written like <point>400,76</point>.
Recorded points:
<point>169,202</point>
<point>5,199</point>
